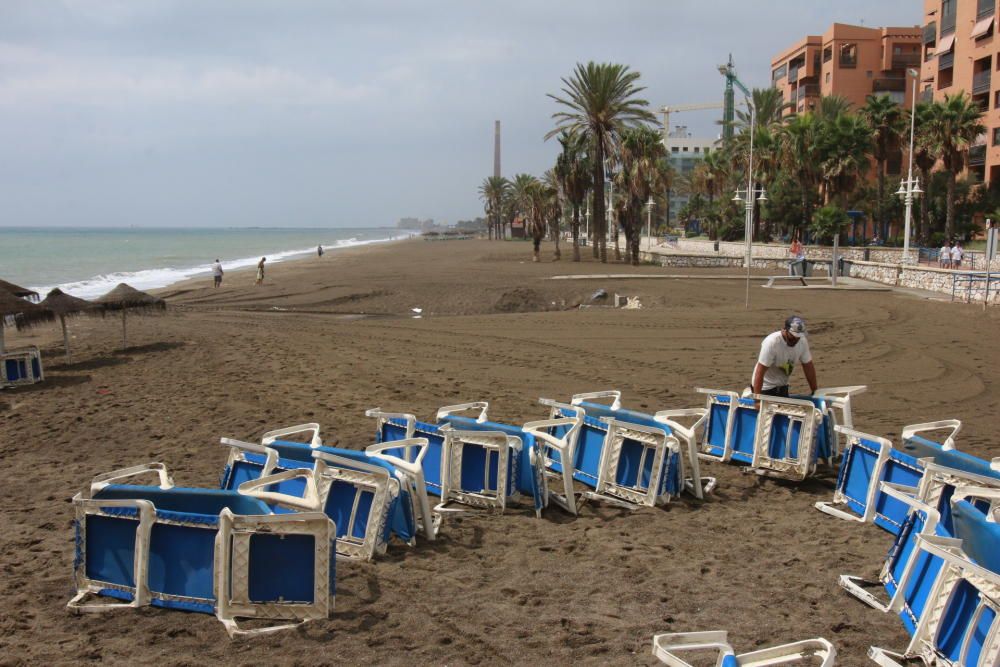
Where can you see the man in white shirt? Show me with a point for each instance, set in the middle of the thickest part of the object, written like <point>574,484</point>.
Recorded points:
<point>217,272</point>
<point>944,256</point>
<point>956,255</point>
<point>779,353</point>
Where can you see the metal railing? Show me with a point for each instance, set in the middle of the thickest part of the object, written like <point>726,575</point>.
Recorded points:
<point>977,155</point>
<point>981,82</point>
<point>930,32</point>
<point>889,84</point>
<point>903,60</point>
<point>946,60</point>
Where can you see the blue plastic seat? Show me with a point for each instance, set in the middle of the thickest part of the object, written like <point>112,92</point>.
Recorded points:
<point>160,546</point>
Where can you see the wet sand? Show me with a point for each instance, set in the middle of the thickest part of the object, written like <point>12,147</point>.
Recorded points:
<point>326,338</point>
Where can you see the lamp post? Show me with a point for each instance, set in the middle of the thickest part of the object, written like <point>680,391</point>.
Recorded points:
<point>747,195</point>
<point>588,221</point>
<point>649,223</point>
<point>911,186</point>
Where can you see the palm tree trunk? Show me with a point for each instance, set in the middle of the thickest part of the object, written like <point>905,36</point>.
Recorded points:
<point>616,226</point>
<point>949,220</point>
<point>557,254</point>
<point>636,235</point>
<point>881,199</point>
<point>925,218</point>
<point>600,224</point>
<point>576,232</point>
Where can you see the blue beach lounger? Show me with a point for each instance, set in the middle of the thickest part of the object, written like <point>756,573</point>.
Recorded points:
<point>203,550</point>
<point>471,462</point>
<point>777,437</point>
<point>370,495</point>
<point>961,624</point>
<point>22,366</point>
<point>930,469</point>
<point>625,463</point>
<point>664,419</point>
<point>817,651</point>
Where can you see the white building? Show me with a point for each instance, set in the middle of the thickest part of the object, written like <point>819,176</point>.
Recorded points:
<point>684,151</point>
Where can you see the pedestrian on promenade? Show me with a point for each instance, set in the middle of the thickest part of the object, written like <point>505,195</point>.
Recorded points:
<point>779,352</point>
<point>944,256</point>
<point>217,272</point>
<point>956,255</point>
<point>260,271</point>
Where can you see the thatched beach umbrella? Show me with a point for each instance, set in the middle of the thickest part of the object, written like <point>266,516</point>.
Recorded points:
<point>18,291</point>
<point>24,314</point>
<point>125,299</point>
<point>65,305</point>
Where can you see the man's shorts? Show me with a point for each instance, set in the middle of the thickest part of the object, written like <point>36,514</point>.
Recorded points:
<point>781,392</point>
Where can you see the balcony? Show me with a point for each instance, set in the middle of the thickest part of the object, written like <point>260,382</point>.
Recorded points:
<point>889,84</point>
<point>926,96</point>
<point>904,60</point>
<point>981,82</point>
<point>946,60</point>
<point>977,155</point>
<point>804,90</point>
<point>793,75</point>
<point>930,32</point>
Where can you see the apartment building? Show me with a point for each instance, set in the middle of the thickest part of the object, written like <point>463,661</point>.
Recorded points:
<point>684,151</point>
<point>960,53</point>
<point>850,61</point>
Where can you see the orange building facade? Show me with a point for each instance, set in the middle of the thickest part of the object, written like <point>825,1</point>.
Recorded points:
<point>850,61</point>
<point>960,53</point>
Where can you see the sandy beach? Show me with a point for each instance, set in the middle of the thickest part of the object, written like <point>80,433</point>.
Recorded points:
<point>326,338</point>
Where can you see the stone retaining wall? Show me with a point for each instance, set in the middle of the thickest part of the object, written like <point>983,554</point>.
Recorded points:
<point>926,278</point>
<point>677,260</point>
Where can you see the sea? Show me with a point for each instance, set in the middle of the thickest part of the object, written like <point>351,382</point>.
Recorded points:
<point>88,262</point>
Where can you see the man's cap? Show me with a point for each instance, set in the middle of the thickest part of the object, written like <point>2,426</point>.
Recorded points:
<point>796,326</point>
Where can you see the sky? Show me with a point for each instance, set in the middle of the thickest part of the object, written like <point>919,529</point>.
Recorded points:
<point>323,113</point>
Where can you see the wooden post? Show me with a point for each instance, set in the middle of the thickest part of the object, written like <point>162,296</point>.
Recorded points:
<point>1,335</point>
<point>62,321</point>
<point>124,339</point>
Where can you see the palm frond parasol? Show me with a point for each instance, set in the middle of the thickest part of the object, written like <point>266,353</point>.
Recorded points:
<point>20,313</point>
<point>66,305</point>
<point>18,291</point>
<point>126,298</point>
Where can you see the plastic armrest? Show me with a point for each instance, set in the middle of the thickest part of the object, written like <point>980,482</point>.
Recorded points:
<point>379,413</point>
<point>668,417</point>
<point>482,406</point>
<point>312,428</point>
<point>666,644</point>
<point>609,393</point>
<point>963,491</point>
<point>272,454</point>
<point>109,478</point>
<point>995,464</point>
<point>309,502</point>
<point>412,467</point>
<point>575,409</point>
<point>842,391</point>
<point>773,655</point>
<point>954,424</point>
<point>949,549</point>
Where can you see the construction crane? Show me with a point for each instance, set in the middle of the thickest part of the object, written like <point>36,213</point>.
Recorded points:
<point>729,110</point>
<point>666,111</point>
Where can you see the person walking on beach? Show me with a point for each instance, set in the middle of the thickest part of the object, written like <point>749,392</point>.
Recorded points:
<point>779,352</point>
<point>260,271</point>
<point>217,272</point>
<point>944,256</point>
<point>798,252</point>
<point>319,250</point>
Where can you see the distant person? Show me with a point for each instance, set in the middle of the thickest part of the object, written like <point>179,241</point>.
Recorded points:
<point>798,253</point>
<point>217,272</point>
<point>260,271</point>
<point>319,250</point>
<point>956,255</point>
<point>779,353</point>
<point>944,256</point>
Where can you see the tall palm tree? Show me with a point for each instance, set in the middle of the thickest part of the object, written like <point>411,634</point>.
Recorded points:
<point>493,191</point>
<point>924,158</point>
<point>955,123</point>
<point>552,208</point>
<point>601,100</point>
<point>832,106</point>
<point>800,157</point>
<point>885,118</point>
<point>642,173</point>
<point>573,170</point>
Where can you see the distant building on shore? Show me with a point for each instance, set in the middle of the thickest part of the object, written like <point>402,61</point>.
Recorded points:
<point>960,54</point>
<point>851,61</point>
<point>684,152</point>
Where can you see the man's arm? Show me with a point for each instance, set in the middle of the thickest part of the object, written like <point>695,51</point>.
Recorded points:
<point>810,370</point>
<point>758,377</point>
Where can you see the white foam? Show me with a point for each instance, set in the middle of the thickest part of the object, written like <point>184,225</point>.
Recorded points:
<point>147,279</point>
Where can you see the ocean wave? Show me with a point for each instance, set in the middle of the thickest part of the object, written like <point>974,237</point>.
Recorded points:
<point>147,279</point>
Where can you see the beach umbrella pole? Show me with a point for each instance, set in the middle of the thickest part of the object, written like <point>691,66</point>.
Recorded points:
<point>62,321</point>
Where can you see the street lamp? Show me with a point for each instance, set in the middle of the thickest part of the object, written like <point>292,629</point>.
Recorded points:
<point>748,195</point>
<point>911,186</point>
